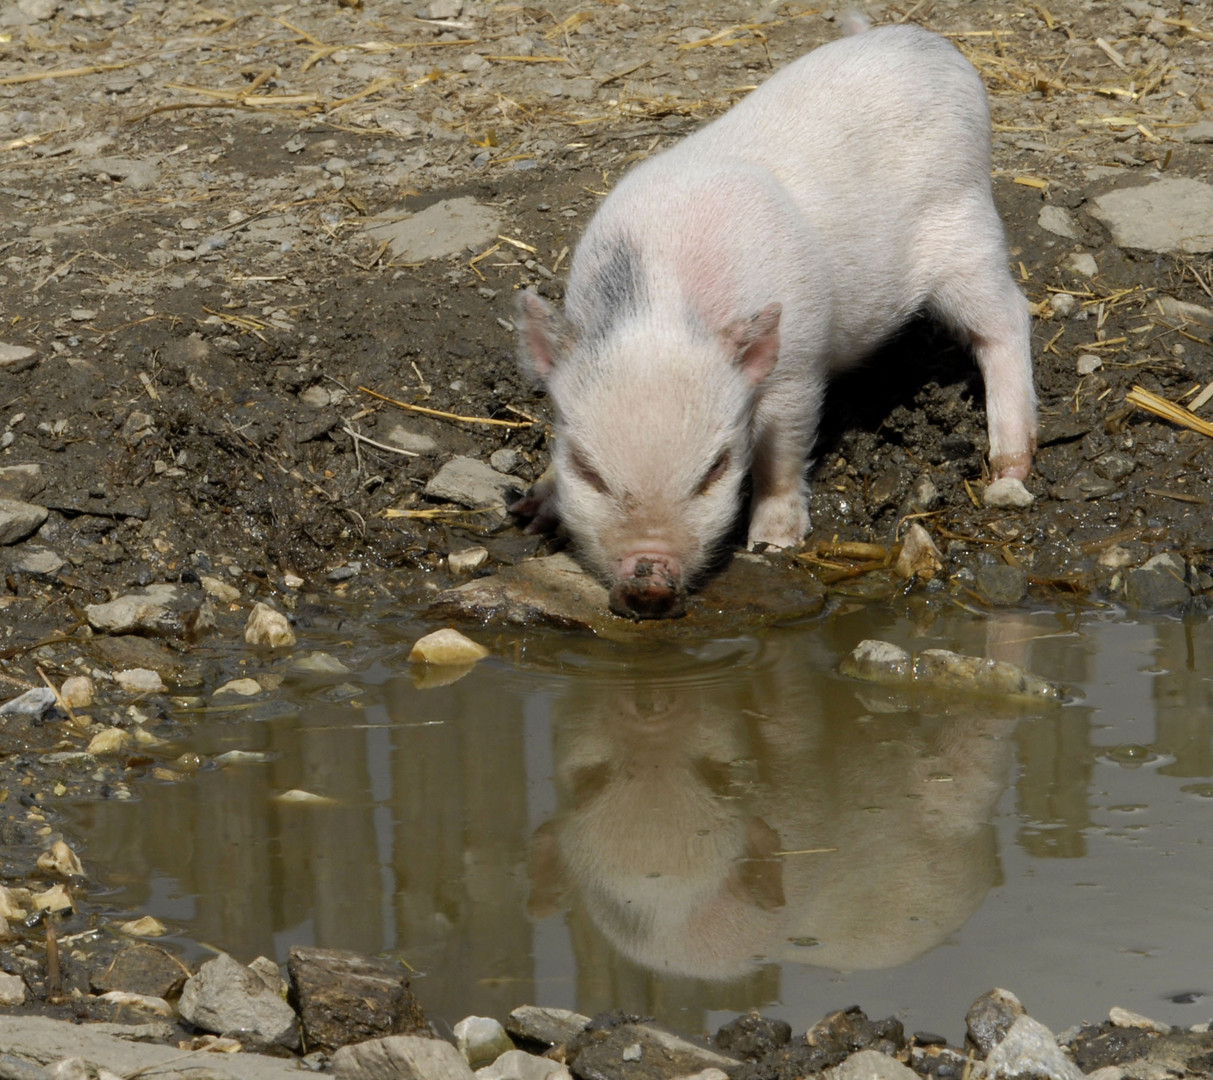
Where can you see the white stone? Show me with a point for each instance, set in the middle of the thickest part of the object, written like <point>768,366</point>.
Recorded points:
<point>1087,363</point>
<point>239,688</point>
<point>1029,1050</point>
<point>147,926</point>
<point>467,560</point>
<point>61,860</point>
<point>110,740</point>
<point>919,557</point>
<point>1063,304</point>
<point>219,589</point>
<point>401,1057</point>
<point>1007,493</point>
<point>447,647</point>
<point>78,691</point>
<point>871,1065</point>
<point>19,520</point>
<point>1082,262</point>
<point>1058,220</point>
<point>1124,1018</point>
<point>16,357</point>
<point>147,609</point>
<point>481,1040</point>
<point>268,627</point>
<point>56,898</point>
<point>12,990</point>
<point>140,681</point>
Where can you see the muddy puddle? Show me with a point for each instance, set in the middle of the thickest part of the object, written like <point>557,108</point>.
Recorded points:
<point>697,830</point>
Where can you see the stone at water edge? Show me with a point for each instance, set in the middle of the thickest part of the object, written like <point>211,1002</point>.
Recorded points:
<point>268,627</point>
<point>519,1065</point>
<point>991,1016</point>
<point>545,1025</point>
<point>1030,1050</point>
<point>61,860</point>
<point>225,996</point>
<point>401,1057</point>
<point>446,647</point>
<point>871,1065</point>
<point>346,998</point>
<point>481,1040</point>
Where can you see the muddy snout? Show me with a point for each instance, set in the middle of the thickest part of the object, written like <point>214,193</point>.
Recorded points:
<point>650,588</point>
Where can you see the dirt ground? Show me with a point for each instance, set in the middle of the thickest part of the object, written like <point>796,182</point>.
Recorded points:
<point>195,305</point>
<point>186,255</point>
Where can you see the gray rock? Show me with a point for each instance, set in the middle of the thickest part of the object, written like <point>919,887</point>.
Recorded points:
<point>991,1016</point>
<point>519,1065</point>
<point>556,591</point>
<point>471,483</point>
<point>21,482</point>
<point>153,609</point>
<point>1158,584</point>
<point>505,460</point>
<point>1200,132</point>
<point>32,703</point>
<point>346,998</point>
<point>1115,466</point>
<point>445,228</point>
<point>1172,214</point>
<point>134,174</point>
<point>401,1057</point>
<point>1029,1050</point>
<point>35,1040</point>
<point>17,358</point>
<point>225,997</point>
<point>553,1027</point>
<point>1002,584</point>
<point>1059,221</point>
<point>142,968</point>
<point>38,562</point>
<point>871,1065</point>
<point>19,520</point>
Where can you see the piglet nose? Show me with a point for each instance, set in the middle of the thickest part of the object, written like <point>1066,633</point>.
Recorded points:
<point>653,591</point>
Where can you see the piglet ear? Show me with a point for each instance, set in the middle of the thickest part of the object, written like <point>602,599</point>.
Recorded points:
<point>544,336</point>
<point>755,342</point>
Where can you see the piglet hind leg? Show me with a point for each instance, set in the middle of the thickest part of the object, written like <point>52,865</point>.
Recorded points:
<point>983,304</point>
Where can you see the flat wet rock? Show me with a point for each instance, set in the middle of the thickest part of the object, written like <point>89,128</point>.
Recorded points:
<point>555,591</point>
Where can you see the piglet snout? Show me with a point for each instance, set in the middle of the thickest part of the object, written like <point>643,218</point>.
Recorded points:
<point>650,588</point>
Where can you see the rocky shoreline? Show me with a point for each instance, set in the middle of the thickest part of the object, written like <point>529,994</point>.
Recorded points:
<point>356,1018</point>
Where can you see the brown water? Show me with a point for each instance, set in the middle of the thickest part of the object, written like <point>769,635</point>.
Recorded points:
<point>692,831</point>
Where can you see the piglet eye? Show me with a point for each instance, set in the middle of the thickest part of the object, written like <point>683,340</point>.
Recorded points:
<point>588,473</point>
<point>714,473</point>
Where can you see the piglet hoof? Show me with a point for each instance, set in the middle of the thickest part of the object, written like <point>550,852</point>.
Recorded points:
<point>1007,493</point>
<point>651,593</point>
